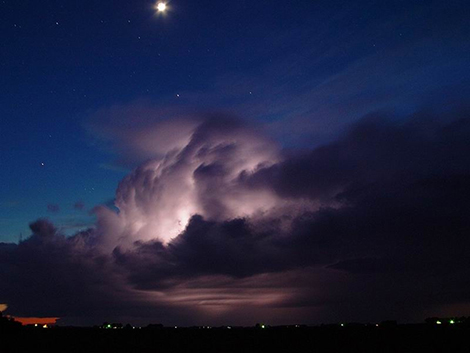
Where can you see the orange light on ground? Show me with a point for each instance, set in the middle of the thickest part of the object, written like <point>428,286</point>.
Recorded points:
<point>37,320</point>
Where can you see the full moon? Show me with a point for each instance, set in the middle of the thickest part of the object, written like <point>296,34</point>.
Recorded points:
<point>161,7</point>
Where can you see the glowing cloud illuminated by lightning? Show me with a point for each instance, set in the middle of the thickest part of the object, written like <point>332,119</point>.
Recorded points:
<point>158,198</point>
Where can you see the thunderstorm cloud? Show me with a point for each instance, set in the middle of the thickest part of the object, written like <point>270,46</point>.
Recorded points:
<point>220,224</point>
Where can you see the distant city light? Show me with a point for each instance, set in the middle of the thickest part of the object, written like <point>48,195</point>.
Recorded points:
<point>438,322</point>
<point>451,322</point>
<point>263,326</point>
<point>342,325</point>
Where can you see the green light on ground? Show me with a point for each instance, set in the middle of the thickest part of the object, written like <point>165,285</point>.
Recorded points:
<point>451,322</point>
<point>438,322</point>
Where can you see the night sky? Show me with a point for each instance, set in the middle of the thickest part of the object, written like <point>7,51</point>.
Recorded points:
<point>234,162</point>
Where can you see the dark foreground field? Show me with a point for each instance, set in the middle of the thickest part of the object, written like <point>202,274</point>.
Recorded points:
<point>403,339</point>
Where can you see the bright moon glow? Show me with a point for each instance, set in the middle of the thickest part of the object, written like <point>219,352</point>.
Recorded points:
<point>161,7</point>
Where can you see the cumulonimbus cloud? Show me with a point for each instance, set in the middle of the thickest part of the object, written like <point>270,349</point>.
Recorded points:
<point>158,198</point>
<point>226,210</point>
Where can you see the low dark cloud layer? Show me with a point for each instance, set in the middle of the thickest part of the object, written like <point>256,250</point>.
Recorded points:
<point>371,226</point>
<point>51,273</point>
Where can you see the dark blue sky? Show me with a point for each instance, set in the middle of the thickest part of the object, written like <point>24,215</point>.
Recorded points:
<point>303,70</point>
